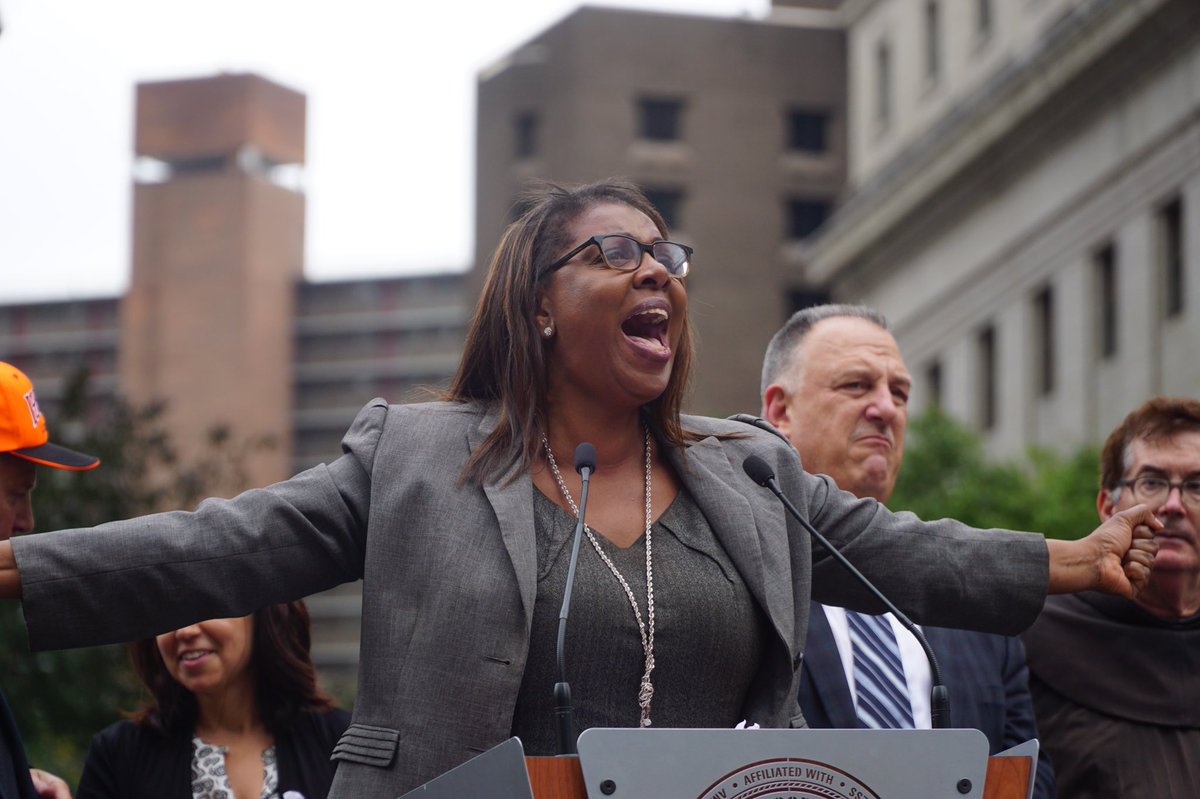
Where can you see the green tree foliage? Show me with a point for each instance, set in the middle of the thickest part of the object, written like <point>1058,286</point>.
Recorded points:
<point>62,698</point>
<point>946,475</point>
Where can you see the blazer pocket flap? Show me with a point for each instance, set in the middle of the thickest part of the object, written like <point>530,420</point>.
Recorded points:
<point>363,743</point>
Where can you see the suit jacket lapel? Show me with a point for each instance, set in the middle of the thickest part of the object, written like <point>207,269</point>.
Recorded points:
<point>754,536</point>
<point>512,501</point>
<point>824,667</point>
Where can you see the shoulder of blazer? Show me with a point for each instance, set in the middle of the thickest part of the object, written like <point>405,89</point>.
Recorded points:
<point>737,434</point>
<point>712,426</point>
<point>433,418</point>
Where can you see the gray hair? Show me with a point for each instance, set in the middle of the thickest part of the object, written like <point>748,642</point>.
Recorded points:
<point>781,352</point>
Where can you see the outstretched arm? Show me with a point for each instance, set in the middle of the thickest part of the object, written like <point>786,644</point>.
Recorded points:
<point>1115,559</point>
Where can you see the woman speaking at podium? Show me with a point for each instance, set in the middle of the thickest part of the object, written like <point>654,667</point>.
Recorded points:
<point>691,599</point>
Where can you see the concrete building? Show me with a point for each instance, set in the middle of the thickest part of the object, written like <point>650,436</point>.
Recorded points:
<point>1024,200</point>
<point>219,322</point>
<point>218,246</point>
<point>734,127</point>
<point>51,340</point>
<point>359,339</point>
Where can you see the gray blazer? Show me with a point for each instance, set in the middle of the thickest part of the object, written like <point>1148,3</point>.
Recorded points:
<point>449,575</point>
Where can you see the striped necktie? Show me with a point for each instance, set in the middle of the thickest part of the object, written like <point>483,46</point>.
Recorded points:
<point>882,693</point>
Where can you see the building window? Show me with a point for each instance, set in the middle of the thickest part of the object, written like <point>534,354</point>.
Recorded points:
<point>1170,227</point>
<point>807,131</point>
<point>669,203</point>
<point>985,344</point>
<point>933,41</point>
<point>1043,320</point>
<point>660,120</point>
<point>983,19</point>
<point>525,129</point>
<point>933,383</point>
<point>804,216</point>
<point>883,84</point>
<point>1104,266</point>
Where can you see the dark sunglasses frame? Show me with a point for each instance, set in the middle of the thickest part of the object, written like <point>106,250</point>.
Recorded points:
<point>686,265</point>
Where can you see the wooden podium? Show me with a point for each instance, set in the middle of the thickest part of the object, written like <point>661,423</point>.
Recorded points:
<point>737,764</point>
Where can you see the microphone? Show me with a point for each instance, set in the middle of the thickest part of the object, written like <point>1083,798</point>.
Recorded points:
<point>939,706</point>
<point>564,709</point>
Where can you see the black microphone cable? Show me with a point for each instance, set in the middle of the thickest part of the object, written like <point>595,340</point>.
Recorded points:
<point>564,709</point>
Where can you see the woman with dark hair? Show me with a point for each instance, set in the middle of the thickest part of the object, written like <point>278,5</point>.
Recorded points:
<point>235,710</point>
<point>692,591</point>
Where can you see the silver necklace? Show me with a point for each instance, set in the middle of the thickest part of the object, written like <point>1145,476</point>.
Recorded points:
<point>646,691</point>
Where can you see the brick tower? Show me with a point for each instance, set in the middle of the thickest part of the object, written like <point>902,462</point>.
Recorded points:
<point>218,247</point>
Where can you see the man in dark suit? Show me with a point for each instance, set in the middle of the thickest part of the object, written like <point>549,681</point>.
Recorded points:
<point>24,443</point>
<point>835,384</point>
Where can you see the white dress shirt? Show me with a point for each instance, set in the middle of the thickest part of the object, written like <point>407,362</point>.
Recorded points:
<point>916,666</point>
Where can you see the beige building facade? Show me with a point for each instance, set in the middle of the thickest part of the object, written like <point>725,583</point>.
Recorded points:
<point>1024,206</point>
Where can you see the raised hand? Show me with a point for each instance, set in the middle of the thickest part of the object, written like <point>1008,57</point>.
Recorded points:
<point>1116,558</point>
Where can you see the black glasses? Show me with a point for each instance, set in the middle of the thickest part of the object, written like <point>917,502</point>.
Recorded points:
<point>625,253</point>
<point>1154,489</point>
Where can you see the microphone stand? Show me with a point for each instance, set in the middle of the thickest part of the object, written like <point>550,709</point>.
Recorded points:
<point>564,708</point>
<point>939,705</point>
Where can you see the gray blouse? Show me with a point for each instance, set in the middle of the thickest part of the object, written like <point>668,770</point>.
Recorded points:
<point>708,629</point>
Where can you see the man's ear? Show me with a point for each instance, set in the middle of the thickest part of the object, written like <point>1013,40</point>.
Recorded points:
<point>775,409</point>
<point>1105,506</point>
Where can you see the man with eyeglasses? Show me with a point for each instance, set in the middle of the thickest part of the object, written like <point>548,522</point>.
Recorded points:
<point>1116,683</point>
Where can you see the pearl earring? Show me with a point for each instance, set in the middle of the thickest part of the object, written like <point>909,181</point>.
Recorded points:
<point>547,331</point>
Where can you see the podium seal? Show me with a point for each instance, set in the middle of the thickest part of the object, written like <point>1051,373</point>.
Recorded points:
<point>788,778</point>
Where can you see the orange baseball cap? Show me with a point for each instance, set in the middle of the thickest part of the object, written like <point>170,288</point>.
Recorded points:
<point>23,431</point>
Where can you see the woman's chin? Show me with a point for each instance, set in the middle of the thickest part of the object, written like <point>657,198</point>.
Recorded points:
<point>648,388</point>
<point>200,684</point>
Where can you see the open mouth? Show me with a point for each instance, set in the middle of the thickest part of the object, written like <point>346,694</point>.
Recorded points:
<point>194,655</point>
<point>649,325</point>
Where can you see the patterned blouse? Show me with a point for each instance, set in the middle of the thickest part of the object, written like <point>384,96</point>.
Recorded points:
<point>210,780</point>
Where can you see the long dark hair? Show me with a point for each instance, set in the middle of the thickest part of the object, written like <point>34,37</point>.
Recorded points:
<point>504,358</point>
<point>285,681</point>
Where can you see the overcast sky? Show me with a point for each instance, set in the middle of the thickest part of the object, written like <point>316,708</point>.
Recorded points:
<point>390,85</point>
